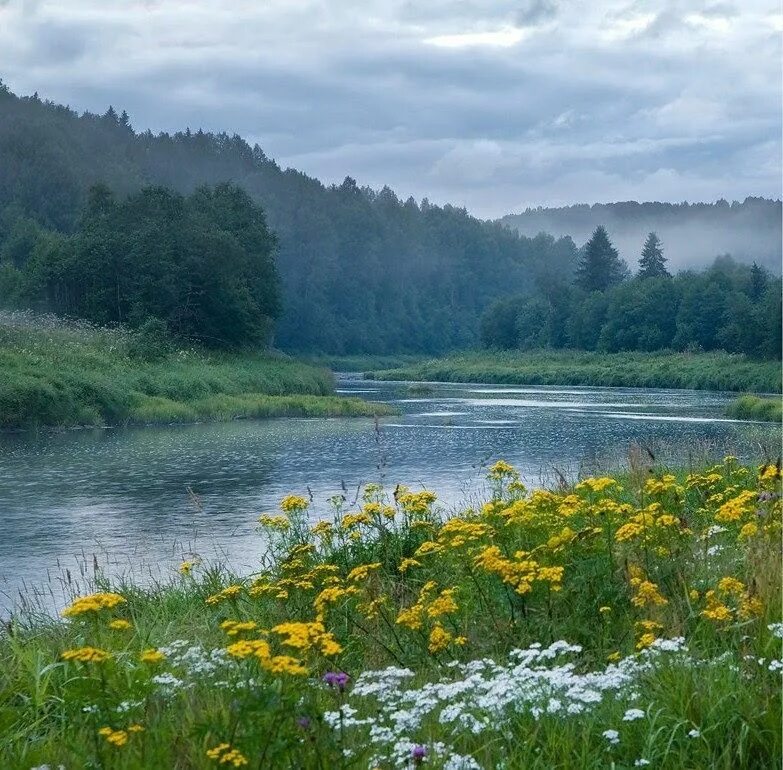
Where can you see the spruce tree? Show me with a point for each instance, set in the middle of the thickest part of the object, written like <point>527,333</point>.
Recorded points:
<point>653,263</point>
<point>758,282</point>
<point>600,265</point>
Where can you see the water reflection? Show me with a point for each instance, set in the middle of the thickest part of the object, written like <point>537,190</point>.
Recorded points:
<point>149,495</point>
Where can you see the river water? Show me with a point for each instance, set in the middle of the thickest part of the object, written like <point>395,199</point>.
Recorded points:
<point>136,501</point>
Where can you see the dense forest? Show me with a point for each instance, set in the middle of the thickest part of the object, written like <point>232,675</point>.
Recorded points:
<point>695,233</point>
<point>205,234</point>
<point>728,306</point>
<point>361,271</point>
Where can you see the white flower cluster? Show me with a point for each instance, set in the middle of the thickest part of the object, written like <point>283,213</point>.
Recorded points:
<point>482,696</point>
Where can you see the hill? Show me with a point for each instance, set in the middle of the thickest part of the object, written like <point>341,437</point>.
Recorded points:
<point>361,271</point>
<point>693,234</point>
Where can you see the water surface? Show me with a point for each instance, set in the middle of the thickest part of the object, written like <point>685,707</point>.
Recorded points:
<point>138,500</point>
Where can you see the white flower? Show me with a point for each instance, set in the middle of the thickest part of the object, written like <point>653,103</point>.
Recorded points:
<point>641,762</point>
<point>777,629</point>
<point>694,733</point>
<point>612,736</point>
<point>633,714</point>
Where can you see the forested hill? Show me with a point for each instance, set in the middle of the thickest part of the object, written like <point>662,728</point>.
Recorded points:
<point>693,234</point>
<point>362,271</point>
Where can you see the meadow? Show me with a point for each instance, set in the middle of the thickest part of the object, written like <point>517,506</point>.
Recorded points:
<point>699,371</point>
<point>54,373</point>
<point>626,621</point>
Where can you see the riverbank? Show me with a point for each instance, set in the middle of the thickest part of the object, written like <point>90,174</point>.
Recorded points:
<point>61,375</point>
<point>699,371</point>
<point>755,408</point>
<point>632,619</point>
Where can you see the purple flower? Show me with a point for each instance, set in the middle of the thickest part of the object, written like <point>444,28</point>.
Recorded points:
<point>418,753</point>
<point>303,722</point>
<point>336,679</point>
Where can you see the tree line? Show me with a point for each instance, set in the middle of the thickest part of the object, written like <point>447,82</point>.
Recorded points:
<point>728,306</point>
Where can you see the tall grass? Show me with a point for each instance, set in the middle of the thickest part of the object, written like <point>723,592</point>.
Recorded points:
<point>58,374</point>
<point>755,408</point>
<point>701,371</point>
<point>626,621</point>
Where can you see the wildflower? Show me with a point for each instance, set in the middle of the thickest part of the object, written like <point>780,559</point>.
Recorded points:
<point>645,640</point>
<point>443,604</point>
<point>362,572</point>
<point>284,664</point>
<point>417,503</point>
<point>552,575</point>
<point>323,529</point>
<point>229,592</point>
<point>406,564</point>
<point>135,728</point>
<point>694,595</point>
<point>225,755</point>
<point>715,610</point>
<point>116,738</point>
<point>152,656</point>
<point>730,585</point>
<point>119,625</point>
<point>186,567</point>
<point>439,639</point>
<point>338,679</point>
<point>694,733</point>
<point>235,627</point>
<point>632,715</point>
<point>647,594</point>
<point>612,736</point>
<point>501,470</point>
<point>596,484</point>
<point>93,603</point>
<point>641,762</point>
<point>293,504</point>
<point>86,655</point>
<point>604,610</point>
<point>418,753</point>
<point>279,523</point>
<point>352,520</point>
<point>750,607</point>
<point>247,647</point>
<point>748,530</point>
<point>613,657</point>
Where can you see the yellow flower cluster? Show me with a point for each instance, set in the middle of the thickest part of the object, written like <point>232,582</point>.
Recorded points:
<point>306,636</point>
<point>293,504</point>
<point>120,625</point>
<point>599,484</point>
<point>262,651</point>
<point>93,603</point>
<point>417,503</point>
<point>86,655</point>
<point>225,755</point>
<point>229,592</point>
<point>362,572</point>
<point>279,523</point>
<point>519,572</point>
<point>118,738</point>
<point>152,656</point>
<point>236,627</point>
<point>428,605</point>
<point>731,591</point>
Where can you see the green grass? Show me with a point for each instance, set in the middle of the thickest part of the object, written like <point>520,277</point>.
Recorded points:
<point>55,374</point>
<point>362,363</point>
<point>698,556</point>
<point>701,371</point>
<point>755,408</point>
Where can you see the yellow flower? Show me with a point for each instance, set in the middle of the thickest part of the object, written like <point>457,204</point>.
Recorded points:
<point>694,595</point>
<point>236,627</point>
<point>229,592</point>
<point>93,603</point>
<point>596,484</point>
<point>351,520</point>
<point>362,572</point>
<point>284,664</point>
<point>439,639</point>
<point>406,564</point>
<point>552,575</point>
<point>645,640</point>
<point>152,656</point>
<point>187,567</point>
<point>135,728</point>
<point>116,738</point>
<point>279,523</point>
<point>749,530</point>
<point>628,531</point>
<point>293,504</point>
<point>613,657</point>
<point>730,585</point>
<point>323,529</point>
<point>443,604</point>
<point>736,508</point>
<point>225,755</point>
<point>647,594</point>
<point>417,502</point>
<point>604,610</point>
<point>750,607</point>
<point>258,648</point>
<point>86,655</point>
<point>428,547</point>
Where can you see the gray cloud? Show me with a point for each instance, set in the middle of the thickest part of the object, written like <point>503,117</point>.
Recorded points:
<point>491,105</point>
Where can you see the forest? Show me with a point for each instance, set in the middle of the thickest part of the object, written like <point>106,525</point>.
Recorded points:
<point>211,237</point>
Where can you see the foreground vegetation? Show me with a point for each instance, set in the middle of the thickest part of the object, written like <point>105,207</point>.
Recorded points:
<point>701,371</point>
<point>756,408</point>
<point>625,621</point>
<point>56,374</point>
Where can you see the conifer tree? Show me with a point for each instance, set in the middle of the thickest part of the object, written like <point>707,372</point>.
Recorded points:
<point>653,263</point>
<point>600,265</point>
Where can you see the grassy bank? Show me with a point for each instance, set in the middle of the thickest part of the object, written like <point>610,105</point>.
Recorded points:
<point>624,622</point>
<point>53,374</point>
<point>755,408</point>
<point>702,371</point>
<point>363,363</point>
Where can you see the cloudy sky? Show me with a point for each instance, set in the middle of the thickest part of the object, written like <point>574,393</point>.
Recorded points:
<point>492,105</point>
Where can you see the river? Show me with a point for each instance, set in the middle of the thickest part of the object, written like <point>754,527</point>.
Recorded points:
<point>136,501</point>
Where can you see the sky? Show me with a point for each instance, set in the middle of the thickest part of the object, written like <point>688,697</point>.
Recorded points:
<point>495,106</point>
